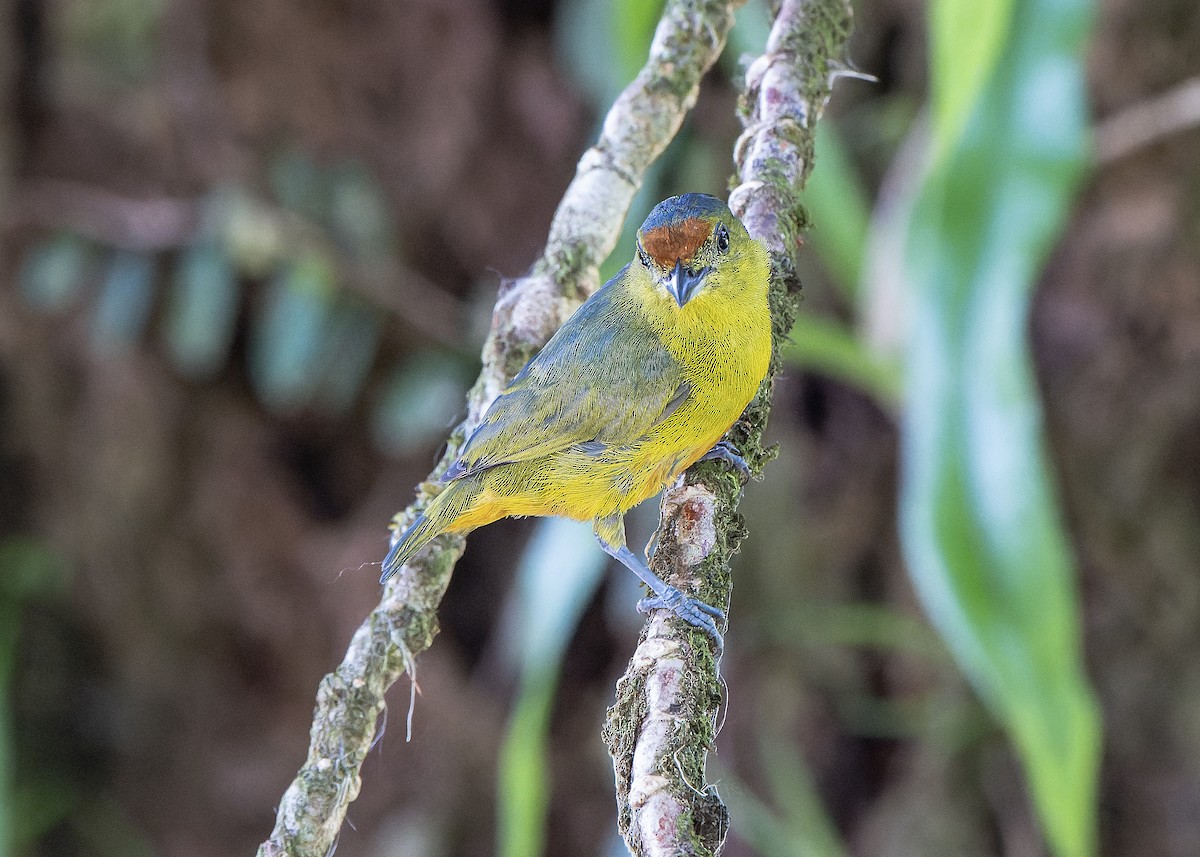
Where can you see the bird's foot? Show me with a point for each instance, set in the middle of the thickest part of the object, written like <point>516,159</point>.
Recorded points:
<point>727,452</point>
<point>665,596</point>
<point>691,610</point>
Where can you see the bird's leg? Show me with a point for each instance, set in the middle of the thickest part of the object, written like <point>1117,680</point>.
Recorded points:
<point>651,546</point>
<point>723,451</point>
<point>727,452</point>
<point>610,533</point>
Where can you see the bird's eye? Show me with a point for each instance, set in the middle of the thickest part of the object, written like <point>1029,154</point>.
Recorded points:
<point>643,256</point>
<point>722,238</point>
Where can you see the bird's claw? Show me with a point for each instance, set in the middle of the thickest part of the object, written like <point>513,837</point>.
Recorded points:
<point>727,452</point>
<point>691,610</point>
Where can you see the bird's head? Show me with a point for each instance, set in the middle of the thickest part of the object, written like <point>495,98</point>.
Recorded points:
<point>684,239</point>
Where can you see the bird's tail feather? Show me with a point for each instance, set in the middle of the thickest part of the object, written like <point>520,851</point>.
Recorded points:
<point>437,518</point>
<point>419,534</point>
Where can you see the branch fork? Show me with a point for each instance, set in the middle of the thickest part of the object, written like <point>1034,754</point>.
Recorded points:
<point>662,724</point>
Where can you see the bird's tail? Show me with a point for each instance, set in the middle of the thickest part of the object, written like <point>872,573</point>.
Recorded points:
<point>419,534</point>
<point>437,518</point>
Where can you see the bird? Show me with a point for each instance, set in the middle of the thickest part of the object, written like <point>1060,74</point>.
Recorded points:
<point>641,382</point>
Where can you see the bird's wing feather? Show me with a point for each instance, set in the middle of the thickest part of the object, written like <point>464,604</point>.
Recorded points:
<point>600,381</point>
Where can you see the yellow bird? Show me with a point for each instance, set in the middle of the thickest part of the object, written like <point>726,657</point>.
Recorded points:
<point>639,384</point>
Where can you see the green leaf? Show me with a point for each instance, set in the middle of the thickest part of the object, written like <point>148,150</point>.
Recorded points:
<point>53,272</point>
<point>748,38</point>
<point>835,193</point>
<point>965,41</point>
<point>980,523</point>
<point>112,45</point>
<point>351,343</point>
<point>28,569</point>
<point>9,626</point>
<point>523,793</point>
<point>604,45</point>
<point>823,346</point>
<point>40,805</point>
<point>288,339</point>
<point>202,311</point>
<point>247,229</point>
<point>633,24</point>
<point>300,184</point>
<point>359,214</point>
<point>125,299</point>
<point>801,826</point>
<point>419,403</point>
<point>104,830</point>
<point>857,625</point>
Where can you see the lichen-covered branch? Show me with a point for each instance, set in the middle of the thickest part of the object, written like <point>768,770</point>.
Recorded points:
<point>662,724</point>
<point>528,310</point>
<point>587,224</point>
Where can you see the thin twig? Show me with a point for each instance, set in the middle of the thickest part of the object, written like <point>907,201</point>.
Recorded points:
<point>145,225</point>
<point>1177,109</point>
<point>586,226</point>
<point>258,235</point>
<point>661,726</point>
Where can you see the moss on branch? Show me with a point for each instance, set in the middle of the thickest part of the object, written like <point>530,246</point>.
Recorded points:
<point>661,726</point>
<point>528,310</point>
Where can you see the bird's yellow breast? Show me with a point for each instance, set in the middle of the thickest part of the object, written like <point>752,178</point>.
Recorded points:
<point>721,339</point>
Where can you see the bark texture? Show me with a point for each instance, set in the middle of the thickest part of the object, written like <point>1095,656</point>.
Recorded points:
<point>586,226</point>
<point>663,722</point>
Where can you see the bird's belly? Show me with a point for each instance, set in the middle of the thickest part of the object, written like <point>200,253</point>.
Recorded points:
<point>578,485</point>
<point>623,477</point>
<point>569,484</point>
<point>586,485</point>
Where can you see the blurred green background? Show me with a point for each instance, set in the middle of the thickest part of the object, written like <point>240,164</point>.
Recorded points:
<point>247,258</point>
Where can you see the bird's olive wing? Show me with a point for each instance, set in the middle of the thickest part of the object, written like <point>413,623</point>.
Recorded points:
<point>601,381</point>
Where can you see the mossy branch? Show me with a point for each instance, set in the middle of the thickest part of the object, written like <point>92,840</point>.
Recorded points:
<point>586,226</point>
<point>662,724</point>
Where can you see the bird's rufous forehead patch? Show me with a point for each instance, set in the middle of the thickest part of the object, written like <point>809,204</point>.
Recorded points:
<point>675,241</point>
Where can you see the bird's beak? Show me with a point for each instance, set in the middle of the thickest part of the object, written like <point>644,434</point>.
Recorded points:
<point>682,283</point>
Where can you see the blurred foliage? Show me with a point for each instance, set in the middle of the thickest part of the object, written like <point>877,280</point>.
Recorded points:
<point>797,825</point>
<point>54,272</point>
<point>966,40</point>
<point>202,308</point>
<point>558,575</point>
<point>104,829</point>
<point>603,45</point>
<point>9,627</point>
<point>982,528</point>
<point>1006,141</point>
<point>820,345</point>
<point>124,302</point>
<point>111,44</point>
<point>980,522</point>
<point>352,340</point>
<point>836,192</point>
<point>314,338</point>
<point>863,625</point>
<point>590,35</point>
<point>420,402</point>
<point>292,333</point>
<point>28,572</point>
